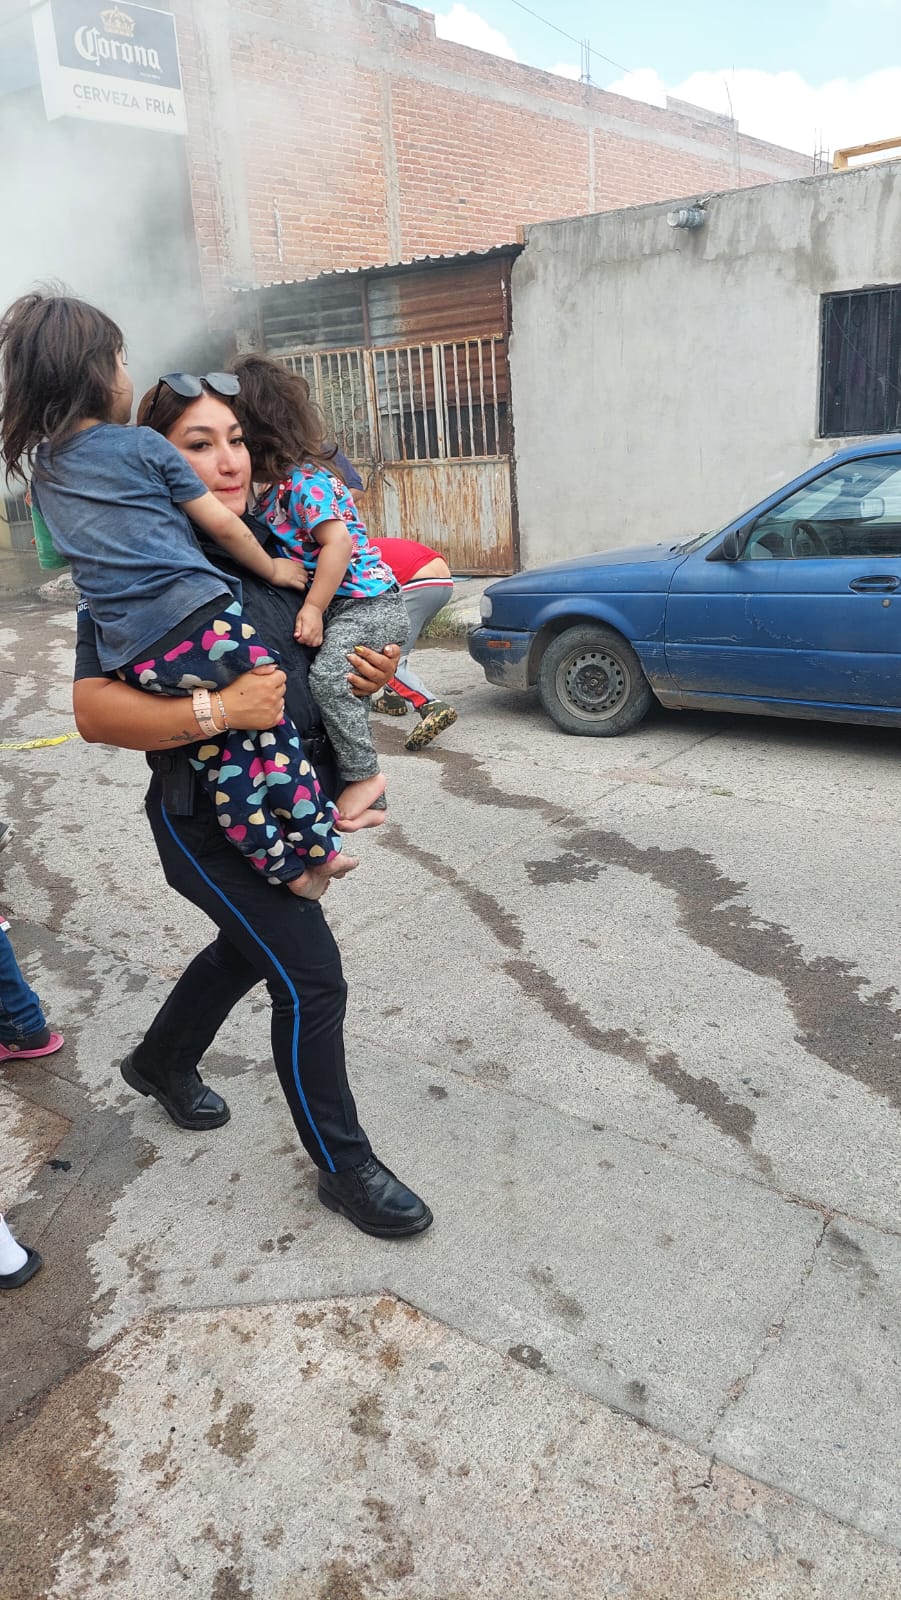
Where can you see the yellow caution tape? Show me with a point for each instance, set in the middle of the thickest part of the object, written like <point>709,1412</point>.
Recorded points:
<point>40,744</point>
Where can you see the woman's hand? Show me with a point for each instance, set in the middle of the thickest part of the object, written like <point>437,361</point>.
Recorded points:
<point>255,700</point>
<point>372,669</point>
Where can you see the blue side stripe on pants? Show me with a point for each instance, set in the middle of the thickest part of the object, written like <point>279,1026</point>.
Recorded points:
<point>278,967</point>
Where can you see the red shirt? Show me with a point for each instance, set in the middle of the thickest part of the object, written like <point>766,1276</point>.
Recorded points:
<point>404,556</point>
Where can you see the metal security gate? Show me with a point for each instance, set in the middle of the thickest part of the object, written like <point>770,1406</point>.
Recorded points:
<point>15,513</point>
<point>428,426</point>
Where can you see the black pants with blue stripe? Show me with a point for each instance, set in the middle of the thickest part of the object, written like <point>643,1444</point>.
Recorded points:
<point>268,934</point>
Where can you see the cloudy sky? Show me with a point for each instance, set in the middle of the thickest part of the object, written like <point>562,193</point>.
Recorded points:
<point>804,73</point>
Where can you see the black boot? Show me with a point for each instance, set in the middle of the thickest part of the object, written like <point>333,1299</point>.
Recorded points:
<point>374,1200</point>
<point>189,1101</point>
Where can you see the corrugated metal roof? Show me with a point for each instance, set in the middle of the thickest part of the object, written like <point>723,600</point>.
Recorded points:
<point>324,312</point>
<point>462,299</point>
<point>435,299</point>
<point>412,263</point>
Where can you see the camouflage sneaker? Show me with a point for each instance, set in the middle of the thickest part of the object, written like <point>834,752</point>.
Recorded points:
<point>390,704</point>
<point>7,834</point>
<point>436,716</point>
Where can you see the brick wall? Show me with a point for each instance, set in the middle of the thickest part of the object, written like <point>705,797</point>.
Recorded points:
<point>343,133</point>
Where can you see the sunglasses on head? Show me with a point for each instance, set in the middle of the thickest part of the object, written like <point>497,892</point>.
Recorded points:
<point>190,387</point>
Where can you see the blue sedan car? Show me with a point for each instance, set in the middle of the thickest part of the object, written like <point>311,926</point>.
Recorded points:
<point>793,610</point>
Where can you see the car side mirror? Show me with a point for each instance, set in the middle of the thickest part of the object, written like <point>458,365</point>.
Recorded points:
<point>732,546</point>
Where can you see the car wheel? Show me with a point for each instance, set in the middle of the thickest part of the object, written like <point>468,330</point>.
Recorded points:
<point>591,682</point>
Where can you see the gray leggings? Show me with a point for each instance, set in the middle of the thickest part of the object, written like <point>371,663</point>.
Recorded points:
<point>348,622</point>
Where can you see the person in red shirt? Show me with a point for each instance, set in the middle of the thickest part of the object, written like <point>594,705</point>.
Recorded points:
<point>426,583</point>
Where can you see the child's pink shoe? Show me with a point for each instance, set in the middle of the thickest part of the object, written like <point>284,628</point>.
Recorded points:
<point>44,1043</point>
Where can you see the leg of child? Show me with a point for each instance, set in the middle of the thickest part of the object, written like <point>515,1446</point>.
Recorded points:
<point>246,773</point>
<point>375,622</point>
<point>23,1026</point>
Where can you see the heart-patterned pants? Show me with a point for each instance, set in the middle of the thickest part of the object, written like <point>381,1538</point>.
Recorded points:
<point>265,793</point>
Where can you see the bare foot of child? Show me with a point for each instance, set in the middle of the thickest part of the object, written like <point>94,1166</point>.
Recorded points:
<point>311,885</point>
<point>356,798</point>
<point>339,868</point>
<point>367,819</point>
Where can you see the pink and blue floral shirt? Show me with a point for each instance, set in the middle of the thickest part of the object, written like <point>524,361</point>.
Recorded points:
<point>295,507</point>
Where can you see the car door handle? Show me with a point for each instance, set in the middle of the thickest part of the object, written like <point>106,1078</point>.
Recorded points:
<point>876,583</point>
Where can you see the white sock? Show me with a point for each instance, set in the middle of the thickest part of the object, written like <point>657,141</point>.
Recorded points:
<point>12,1256</point>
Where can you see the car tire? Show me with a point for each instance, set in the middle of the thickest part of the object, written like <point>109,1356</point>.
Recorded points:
<point>591,682</point>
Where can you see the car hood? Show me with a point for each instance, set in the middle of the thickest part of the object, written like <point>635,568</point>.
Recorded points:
<point>590,572</point>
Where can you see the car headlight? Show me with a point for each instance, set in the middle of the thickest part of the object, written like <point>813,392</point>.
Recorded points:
<point>485,608</point>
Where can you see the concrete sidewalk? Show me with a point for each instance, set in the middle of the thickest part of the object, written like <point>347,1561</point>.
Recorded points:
<point>624,1012</point>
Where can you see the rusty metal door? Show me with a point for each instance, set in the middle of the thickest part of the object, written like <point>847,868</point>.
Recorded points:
<point>429,428</point>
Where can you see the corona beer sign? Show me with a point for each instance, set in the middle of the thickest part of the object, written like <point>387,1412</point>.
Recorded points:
<point>110,63</point>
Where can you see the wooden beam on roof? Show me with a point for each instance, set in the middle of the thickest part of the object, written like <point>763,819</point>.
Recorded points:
<point>842,157</point>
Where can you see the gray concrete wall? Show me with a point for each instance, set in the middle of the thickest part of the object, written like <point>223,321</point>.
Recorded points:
<point>663,380</point>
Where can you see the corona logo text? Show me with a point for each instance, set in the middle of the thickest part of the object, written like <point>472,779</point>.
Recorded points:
<point>94,46</point>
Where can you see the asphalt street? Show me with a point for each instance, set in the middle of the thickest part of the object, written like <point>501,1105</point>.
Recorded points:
<point>626,1013</point>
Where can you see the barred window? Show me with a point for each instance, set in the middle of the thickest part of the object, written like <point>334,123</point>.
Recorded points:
<point>860,371</point>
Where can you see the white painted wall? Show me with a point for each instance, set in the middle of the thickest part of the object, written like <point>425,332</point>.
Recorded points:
<point>665,380</point>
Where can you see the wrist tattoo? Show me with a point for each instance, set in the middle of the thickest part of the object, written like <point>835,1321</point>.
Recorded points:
<point>185,737</point>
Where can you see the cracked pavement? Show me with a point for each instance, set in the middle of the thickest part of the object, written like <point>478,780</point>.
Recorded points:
<point>625,1012</point>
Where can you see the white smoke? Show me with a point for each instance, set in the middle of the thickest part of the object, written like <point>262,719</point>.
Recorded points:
<point>102,209</point>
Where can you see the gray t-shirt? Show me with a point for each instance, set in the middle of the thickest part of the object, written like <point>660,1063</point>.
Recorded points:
<point>110,497</point>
